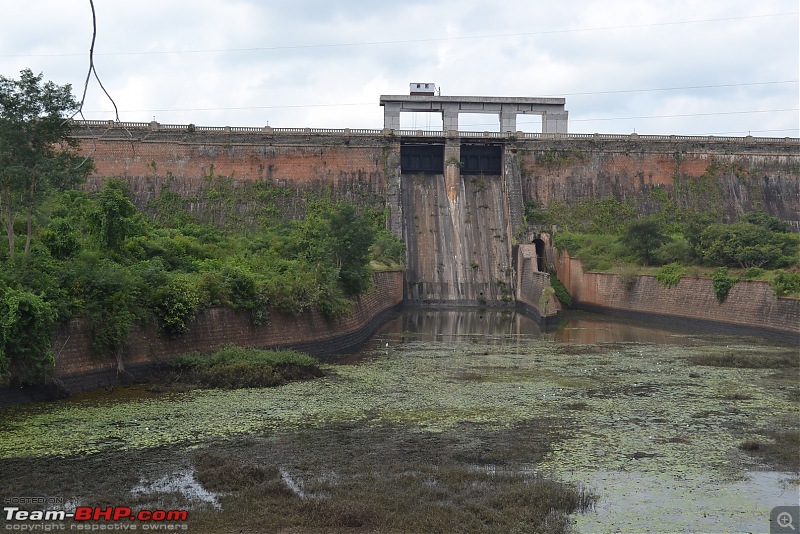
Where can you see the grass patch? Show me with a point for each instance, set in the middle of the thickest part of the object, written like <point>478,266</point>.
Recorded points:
<point>747,361</point>
<point>390,479</point>
<point>560,290</point>
<point>670,275</point>
<point>237,367</point>
<point>597,252</point>
<point>782,451</point>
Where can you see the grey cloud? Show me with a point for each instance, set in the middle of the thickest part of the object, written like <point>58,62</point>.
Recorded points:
<point>295,55</point>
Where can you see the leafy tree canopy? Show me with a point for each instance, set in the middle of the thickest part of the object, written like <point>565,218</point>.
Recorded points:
<point>643,237</point>
<point>36,152</point>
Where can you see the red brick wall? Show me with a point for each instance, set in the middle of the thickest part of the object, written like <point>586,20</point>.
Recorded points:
<point>217,327</point>
<point>300,161</point>
<point>751,304</point>
<point>747,176</point>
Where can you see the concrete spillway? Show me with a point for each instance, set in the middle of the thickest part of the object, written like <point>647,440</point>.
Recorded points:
<point>458,238</point>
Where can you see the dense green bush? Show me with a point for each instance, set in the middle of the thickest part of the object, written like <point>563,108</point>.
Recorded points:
<point>675,251</point>
<point>722,283</point>
<point>178,303</point>
<point>388,250</point>
<point>744,244</point>
<point>26,321</point>
<point>753,273</point>
<point>670,275</point>
<point>786,283</point>
<point>571,242</point>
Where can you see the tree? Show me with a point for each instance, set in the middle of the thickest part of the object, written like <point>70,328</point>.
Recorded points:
<point>115,218</point>
<point>337,239</point>
<point>36,151</point>
<point>745,245</point>
<point>26,321</point>
<point>643,237</point>
<point>770,222</point>
<point>352,236</point>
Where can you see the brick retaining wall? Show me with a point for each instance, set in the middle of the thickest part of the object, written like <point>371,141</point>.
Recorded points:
<point>750,308</point>
<point>77,369</point>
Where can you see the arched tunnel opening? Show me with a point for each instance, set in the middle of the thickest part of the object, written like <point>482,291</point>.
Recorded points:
<point>541,259</point>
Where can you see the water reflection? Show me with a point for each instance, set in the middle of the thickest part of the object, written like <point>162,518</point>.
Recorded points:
<point>458,325</point>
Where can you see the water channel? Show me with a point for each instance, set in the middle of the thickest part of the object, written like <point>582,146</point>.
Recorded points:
<point>632,412</point>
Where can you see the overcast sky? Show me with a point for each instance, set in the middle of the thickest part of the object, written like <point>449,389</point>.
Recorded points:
<point>657,67</point>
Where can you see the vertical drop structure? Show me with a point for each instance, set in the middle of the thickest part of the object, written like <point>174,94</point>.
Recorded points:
<point>456,225</point>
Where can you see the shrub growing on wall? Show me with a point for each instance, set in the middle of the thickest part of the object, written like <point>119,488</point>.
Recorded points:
<point>26,321</point>
<point>722,283</point>
<point>670,275</point>
<point>178,302</point>
<point>786,283</point>
<point>561,291</point>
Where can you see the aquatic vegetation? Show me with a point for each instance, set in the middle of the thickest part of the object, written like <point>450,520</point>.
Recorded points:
<point>669,416</point>
<point>238,367</point>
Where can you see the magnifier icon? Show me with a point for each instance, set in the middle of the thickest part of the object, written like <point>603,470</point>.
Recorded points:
<point>784,520</point>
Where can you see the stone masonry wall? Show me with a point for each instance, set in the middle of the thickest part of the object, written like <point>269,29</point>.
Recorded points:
<point>736,176</point>
<point>534,294</point>
<point>300,159</point>
<point>751,306</point>
<point>359,169</point>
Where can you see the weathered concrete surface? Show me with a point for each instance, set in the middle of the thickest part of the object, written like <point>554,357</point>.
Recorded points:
<point>737,174</point>
<point>458,240</point>
<point>358,169</point>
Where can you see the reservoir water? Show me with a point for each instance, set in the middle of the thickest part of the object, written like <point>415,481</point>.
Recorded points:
<point>673,431</point>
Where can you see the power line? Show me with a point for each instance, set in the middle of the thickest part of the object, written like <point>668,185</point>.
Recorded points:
<point>674,88</point>
<point>245,108</point>
<point>685,115</point>
<point>571,120</point>
<point>615,91</point>
<point>411,41</point>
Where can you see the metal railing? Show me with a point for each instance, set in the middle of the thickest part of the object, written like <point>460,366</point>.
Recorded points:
<point>268,130</point>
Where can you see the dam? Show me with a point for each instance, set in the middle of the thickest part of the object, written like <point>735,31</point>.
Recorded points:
<point>455,198</point>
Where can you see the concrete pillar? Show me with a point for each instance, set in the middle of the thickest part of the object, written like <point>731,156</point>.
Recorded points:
<point>450,117</point>
<point>508,121</point>
<point>555,122</point>
<point>394,194</point>
<point>391,116</point>
<point>452,168</point>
